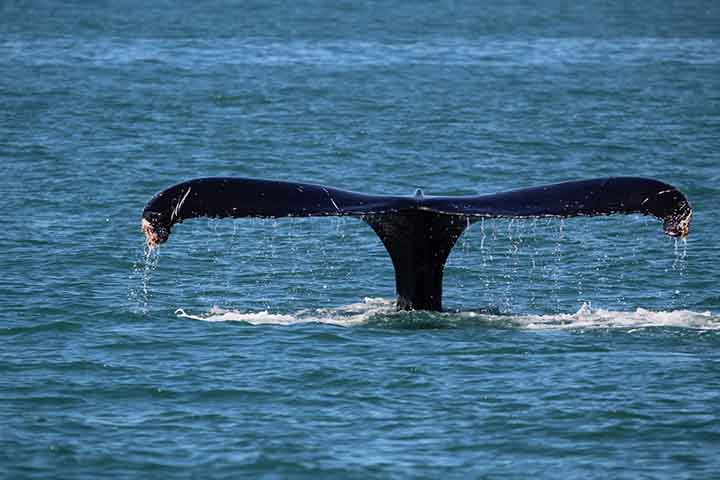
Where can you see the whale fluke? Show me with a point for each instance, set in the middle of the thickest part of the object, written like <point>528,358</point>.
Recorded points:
<point>418,231</point>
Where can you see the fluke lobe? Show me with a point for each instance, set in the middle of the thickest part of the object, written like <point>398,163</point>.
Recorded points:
<point>418,231</point>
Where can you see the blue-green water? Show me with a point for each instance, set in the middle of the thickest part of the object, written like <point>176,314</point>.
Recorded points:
<point>587,348</point>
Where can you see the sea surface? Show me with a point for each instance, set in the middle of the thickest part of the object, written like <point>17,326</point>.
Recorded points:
<point>583,348</point>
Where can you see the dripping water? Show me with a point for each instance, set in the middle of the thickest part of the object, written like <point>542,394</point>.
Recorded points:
<point>558,260</point>
<point>142,271</point>
<point>679,263</point>
<point>680,251</point>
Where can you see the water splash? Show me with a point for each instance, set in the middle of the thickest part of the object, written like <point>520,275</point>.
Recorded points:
<point>347,316</point>
<point>589,318</point>
<point>381,312</point>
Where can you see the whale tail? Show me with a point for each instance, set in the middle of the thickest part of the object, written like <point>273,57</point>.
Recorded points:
<point>418,231</point>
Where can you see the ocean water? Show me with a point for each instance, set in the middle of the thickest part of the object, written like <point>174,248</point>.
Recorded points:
<point>583,348</point>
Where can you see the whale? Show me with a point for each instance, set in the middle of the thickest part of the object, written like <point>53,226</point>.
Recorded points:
<point>417,230</point>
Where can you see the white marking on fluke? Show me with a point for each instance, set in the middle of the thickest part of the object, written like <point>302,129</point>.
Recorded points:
<point>334,204</point>
<point>331,200</point>
<point>180,204</point>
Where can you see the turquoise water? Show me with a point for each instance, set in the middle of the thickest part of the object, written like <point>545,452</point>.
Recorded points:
<point>584,348</point>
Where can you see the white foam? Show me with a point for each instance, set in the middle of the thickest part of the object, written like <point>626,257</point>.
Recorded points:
<point>590,318</point>
<point>218,314</point>
<point>348,315</point>
<point>383,310</point>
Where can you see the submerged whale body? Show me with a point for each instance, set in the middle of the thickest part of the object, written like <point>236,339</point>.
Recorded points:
<point>418,231</point>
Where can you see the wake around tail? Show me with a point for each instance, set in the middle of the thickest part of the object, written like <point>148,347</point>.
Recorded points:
<point>418,231</point>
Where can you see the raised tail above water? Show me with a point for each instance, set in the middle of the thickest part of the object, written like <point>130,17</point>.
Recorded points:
<point>418,231</point>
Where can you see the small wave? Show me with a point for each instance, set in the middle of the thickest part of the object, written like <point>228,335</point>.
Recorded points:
<point>381,312</point>
<point>58,326</point>
<point>490,52</point>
